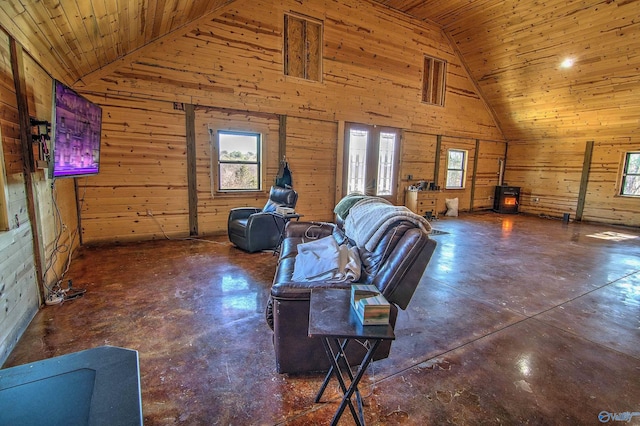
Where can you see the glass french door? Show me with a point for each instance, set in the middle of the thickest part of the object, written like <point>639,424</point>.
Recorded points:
<point>371,158</point>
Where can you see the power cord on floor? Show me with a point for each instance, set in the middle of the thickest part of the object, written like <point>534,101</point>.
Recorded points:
<point>59,295</point>
<point>55,294</point>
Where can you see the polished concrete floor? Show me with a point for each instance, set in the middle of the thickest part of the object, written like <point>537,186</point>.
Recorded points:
<point>517,320</point>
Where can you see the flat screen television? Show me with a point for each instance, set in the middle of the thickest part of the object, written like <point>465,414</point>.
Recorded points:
<point>77,127</point>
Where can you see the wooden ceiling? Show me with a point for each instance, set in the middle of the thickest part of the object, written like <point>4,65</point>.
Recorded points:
<point>512,48</point>
<point>77,37</point>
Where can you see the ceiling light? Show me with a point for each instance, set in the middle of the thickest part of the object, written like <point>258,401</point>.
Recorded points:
<point>567,63</point>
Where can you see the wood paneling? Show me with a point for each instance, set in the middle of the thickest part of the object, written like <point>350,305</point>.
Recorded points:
<point>463,195</point>
<point>18,284</point>
<point>57,215</point>
<point>602,204</point>
<point>487,173</point>
<point>514,48</point>
<point>548,173</point>
<point>311,153</point>
<point>141,190</point>
<point>419,154</point>
<point>372,69</point>
<point>74,38</point>
<point>231,68</point>
<point>213,208</point>
<point>418,157</point>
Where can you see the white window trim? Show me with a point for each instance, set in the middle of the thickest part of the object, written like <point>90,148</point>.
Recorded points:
<point>215,163</point>
<point>464,168</point>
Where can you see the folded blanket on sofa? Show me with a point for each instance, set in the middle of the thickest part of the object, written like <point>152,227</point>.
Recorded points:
<point>368,221</point>
<point>325,260</point>
<point>344,205</point>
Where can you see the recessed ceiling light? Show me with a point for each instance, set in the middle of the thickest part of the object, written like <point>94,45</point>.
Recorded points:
<point>567,63</point>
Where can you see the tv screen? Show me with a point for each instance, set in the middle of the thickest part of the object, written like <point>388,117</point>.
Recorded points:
<point>77,127</point>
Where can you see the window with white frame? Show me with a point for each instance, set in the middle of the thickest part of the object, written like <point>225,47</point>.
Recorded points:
<point>631,175</point>
<point>456,168</point>
<point>239,161</point>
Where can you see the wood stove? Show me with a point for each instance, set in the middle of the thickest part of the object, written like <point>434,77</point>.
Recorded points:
<point>506,199</point>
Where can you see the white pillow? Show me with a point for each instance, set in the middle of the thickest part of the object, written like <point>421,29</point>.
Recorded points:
<point>452,206</point>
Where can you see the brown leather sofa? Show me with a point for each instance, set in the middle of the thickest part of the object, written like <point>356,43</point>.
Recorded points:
<point>395,266</point>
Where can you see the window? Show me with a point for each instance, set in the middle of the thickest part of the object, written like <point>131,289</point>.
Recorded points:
<point>433,81</point>
<point>631,174</point>
<point>302,47</point>
<point>238,161</point>
<point>371,160</point>
<point>456,168</point>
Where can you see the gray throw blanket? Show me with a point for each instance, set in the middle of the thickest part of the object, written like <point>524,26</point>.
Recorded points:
<point>325,260</point>
<point>369,219</point>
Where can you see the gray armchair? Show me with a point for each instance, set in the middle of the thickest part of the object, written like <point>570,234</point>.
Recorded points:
<point>253,229</point>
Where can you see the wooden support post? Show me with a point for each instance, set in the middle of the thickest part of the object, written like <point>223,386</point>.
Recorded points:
<point>78,209</point>
<point>192,184</point>
<point>584,180</point>
<point>17,66</point>
<point>475,173</point>
<point>282,136</point>
<point>436,167</point>
<point>340,163</point>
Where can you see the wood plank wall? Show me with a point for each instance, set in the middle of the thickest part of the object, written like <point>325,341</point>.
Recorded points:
<point>213,210</point>
<point>311,153</point>
<point>18,285</point>
<point>601,202</point>
<point>549,174</point>
<point>419,157</point>
<point>231,68</point>
<point>57,215</point>
<point>141,190</point>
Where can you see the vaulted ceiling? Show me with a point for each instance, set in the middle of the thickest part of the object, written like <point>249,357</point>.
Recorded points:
<point>513,49</point>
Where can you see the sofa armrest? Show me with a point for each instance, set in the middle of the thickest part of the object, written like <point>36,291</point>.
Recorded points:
<point>267,222</point>
<point>242,212</point>
<point>308,230</point>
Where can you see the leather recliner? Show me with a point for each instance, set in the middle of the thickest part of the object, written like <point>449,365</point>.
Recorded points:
<point>395,266</point>
<point>253,229</point>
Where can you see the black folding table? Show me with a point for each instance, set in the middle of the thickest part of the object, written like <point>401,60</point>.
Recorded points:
<point>332,319</point>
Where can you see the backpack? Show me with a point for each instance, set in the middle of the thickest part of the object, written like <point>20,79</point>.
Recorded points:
<point>284,178</point>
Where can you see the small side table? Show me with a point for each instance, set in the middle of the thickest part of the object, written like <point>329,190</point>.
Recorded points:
<point>332,319</point>
<point>285,218</point>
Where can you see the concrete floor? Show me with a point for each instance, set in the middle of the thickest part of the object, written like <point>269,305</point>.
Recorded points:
<point>517,320</point>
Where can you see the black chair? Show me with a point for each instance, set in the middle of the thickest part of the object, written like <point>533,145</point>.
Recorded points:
<point>253,229</point>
